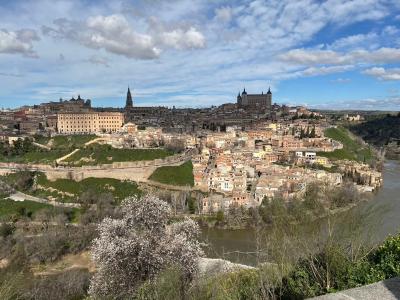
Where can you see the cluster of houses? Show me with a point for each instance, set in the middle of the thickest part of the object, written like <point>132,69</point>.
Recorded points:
<point>242,168</point>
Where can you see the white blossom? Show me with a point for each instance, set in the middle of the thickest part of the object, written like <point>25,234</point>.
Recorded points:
<point>139,246</point>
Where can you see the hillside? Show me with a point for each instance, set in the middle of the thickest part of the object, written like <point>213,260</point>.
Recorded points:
<point>352,149</point>
<point>382,131</point>
<point>379,131</point>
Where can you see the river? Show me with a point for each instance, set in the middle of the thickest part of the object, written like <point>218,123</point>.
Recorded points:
<point>380,217</point>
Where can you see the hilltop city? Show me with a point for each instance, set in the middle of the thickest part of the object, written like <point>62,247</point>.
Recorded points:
<point>239,154</point>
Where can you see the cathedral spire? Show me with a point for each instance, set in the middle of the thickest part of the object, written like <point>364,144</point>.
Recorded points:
<point>129,101</point>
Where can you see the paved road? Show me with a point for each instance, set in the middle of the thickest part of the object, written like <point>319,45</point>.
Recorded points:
<point>382,290</point>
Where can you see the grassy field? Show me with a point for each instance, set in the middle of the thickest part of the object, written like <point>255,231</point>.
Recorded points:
<point>60,146</point>
<point>180,175</point>
<point>64,141</point>
<point>20,208</point>
<point>71,141</point>
<point>119,189</point>
<point>352,150</point>
<point>105,154</point>
<point>39,156</point>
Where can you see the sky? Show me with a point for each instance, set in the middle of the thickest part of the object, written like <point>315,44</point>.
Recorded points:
<point>334,54</point>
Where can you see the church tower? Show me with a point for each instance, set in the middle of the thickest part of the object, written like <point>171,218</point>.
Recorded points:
<point>269,98</point>
<point>129,101</point>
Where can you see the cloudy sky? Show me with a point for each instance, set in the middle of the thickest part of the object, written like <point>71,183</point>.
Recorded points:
<point>197,53</point>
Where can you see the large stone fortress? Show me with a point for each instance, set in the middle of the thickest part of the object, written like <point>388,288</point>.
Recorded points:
<point>262,100</point>
<point>73,105</point>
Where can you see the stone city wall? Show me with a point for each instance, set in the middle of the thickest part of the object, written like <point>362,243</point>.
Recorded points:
<point>136,171</point>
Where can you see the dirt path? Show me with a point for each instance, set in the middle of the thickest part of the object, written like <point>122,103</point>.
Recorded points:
<point>19,196</point>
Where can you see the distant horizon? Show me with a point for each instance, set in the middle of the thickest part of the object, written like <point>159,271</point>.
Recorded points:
<point>140,104</point>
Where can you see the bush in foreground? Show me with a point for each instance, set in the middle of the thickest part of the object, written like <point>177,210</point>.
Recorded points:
<point>139,246</point>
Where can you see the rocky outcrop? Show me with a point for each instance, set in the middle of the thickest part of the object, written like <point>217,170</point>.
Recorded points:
<point>214,266</point>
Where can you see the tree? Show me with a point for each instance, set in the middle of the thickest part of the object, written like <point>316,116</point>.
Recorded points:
<point>192,205</point>
<point>175,145</point>
<point>220,216</point>
<point>312,133</point>
<point>139,246</point>
<point>6,230</point>
<point>302,133</point>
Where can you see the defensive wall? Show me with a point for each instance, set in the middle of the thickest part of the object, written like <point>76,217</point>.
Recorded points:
<point>135,171</point>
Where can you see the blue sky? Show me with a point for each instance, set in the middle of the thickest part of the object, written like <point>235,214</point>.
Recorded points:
<point>193,53</point>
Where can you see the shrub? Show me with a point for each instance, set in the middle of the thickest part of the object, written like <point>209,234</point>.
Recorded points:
<point>220,216</point>
<point>136,248</point>
<point>71,284</point>
<point>6,230</point>
<point>386,258</point>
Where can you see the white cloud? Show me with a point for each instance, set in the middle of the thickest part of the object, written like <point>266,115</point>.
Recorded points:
<point>345,11</point>
<point>313,57</point>
<point>240,42</point>
<point>97,60</point>
<point>316,57</point>
<point>313,71</point>
<point>181,39</point>
<point>384,74</point>
<point>175,37</point>
<point>18,42</point>
<point>116,35</point>
<point>224,14</point>
<point>385,104</point>
<point>354,41</point>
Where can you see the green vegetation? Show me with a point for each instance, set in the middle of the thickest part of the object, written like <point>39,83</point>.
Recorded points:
<point>10,208</point>
<point>352,150</point>
<point>68,190</point>
<point>175,175</point>
<point>21,181</point>
<point>344,271</point>
<point>24,151</point>
<point>64,141</point>
<point>105,154</point>
<point>64,187</point>
<point>379,130</point>
<point>38,156</point>
<point>331,269</point>
<point>71,141</point>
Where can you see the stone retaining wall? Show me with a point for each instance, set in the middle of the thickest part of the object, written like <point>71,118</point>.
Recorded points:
<point>136,171</point>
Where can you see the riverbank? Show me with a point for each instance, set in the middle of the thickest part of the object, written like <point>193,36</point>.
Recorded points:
<point>379,213</point>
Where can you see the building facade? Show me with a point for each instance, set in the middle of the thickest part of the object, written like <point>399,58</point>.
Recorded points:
<point>72,105</point>
<point>143,114</point>
<point>255,100</point>
<point>89,122</point>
